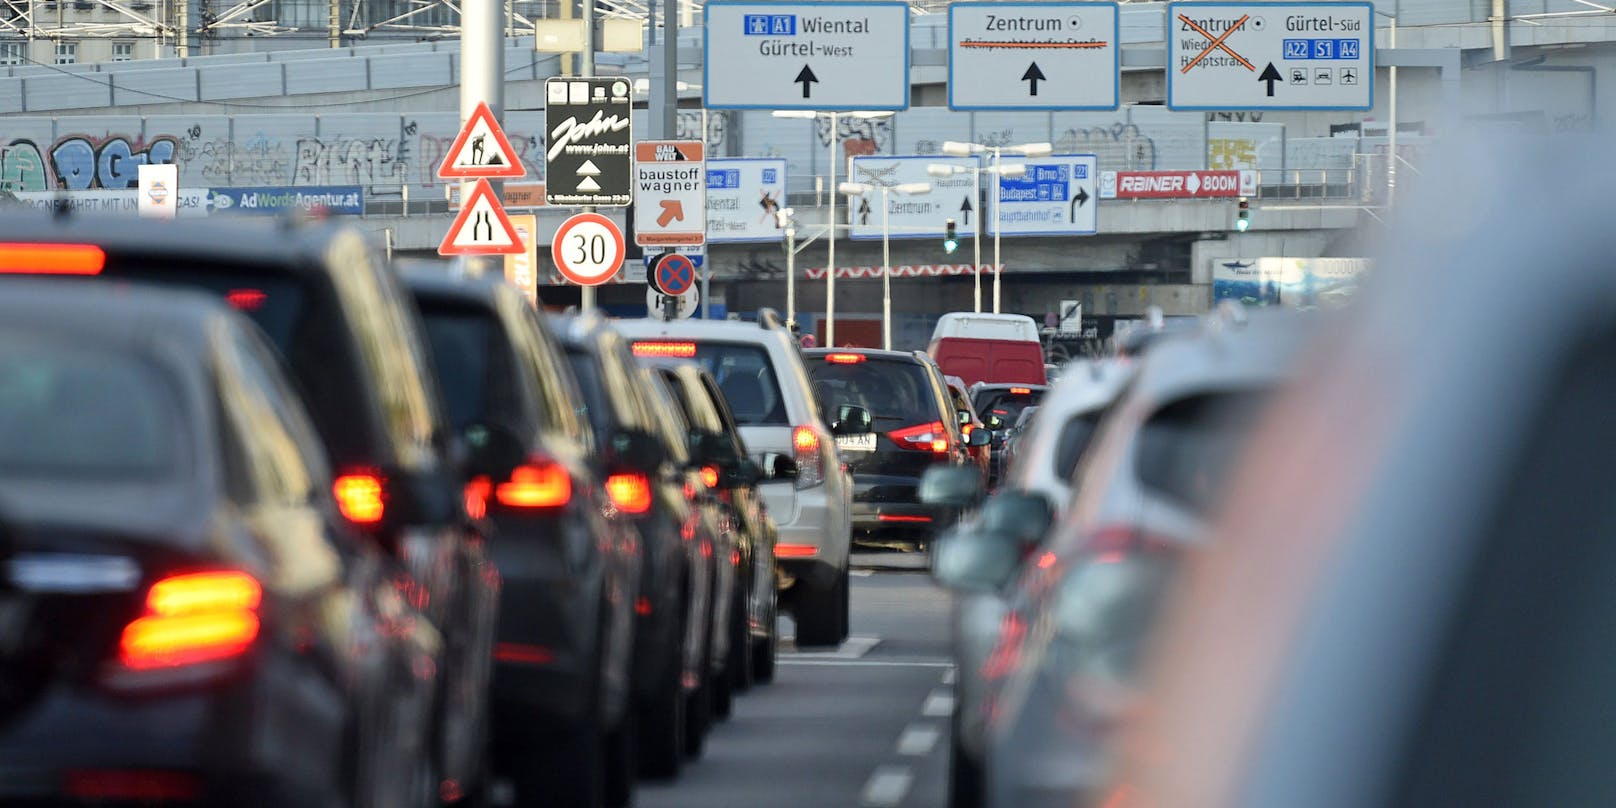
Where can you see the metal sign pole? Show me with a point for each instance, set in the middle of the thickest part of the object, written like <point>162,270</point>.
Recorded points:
<point>791,274</point>
<point>976,238</point>
<point>830,268</point>
<point>482,79</point>
<point>886,274</point>
<point>586,66</point>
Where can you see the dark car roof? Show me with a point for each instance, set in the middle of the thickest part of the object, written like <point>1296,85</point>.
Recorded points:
<point>254,240</point>
<point>440,281</point>
<point>121,314</point>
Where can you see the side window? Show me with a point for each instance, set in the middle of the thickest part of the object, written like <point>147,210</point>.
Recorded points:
<point>269,432</point>
<point>557,390</point>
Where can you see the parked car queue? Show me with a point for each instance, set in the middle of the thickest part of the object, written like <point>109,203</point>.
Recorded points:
<point>287,525</point>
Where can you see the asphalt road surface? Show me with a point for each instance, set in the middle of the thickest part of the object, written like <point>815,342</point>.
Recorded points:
<point>861,726</point>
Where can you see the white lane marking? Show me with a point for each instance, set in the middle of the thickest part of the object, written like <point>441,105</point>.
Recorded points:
<point>851,648</point>
<point>918,740</point>
<point>861,573</point>
<point>858,663</point>
<point>939,703</point>
<point>886,787</point>
<point>948,676</point>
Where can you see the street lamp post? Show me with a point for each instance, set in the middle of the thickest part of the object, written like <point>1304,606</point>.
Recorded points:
<point>783,219</point>
<point>957,149</point>
<point>907,189</point>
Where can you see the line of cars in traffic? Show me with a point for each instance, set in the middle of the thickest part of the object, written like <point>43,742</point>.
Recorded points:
<point>284,524</point>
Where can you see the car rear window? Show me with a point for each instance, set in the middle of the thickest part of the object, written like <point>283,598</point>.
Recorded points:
<point>473,364</point>
<point>68,411</point>
<point>1186,448</point>
<point>1005,403</point>
<point>743,371</point>
<point>895,391</point>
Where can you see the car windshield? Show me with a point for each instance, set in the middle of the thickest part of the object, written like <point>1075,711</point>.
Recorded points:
<point>68,411</point>
<point>895,391</point>
<point>1006,402</point>
<point>1186,448</point>
<point>746,376</point>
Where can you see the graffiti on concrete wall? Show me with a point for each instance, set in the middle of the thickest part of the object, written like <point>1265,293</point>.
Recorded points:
<point>858,136</point>
<point>81,162</point>
<point>254,160</point>
<point>1121,145</point>
<point>689,126</point>
<point>367,161</point>
<point>1231,153</point>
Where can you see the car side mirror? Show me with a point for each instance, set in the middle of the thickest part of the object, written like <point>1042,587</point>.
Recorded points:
<point>993,423</point>
<point>712,448</point>
<point>492,450</point>
<point>976,560</point>
<point>951,486</point>
<point>1023,516</point>
<point>779,467</point>
<point>742,475</point>
<point>637,449</point>
<point>979,437</point>
<point>851,420</point>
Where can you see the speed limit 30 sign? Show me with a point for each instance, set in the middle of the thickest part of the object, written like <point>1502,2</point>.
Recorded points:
<point>588,249</point>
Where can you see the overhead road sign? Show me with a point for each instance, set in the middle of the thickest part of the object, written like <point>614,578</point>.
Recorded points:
<point>952,197</point>
<point>813,56</point>
<point>481,150</point>
<point>588,249</point>
<point>743,195</point>
<point>1033,56</point>
<point>589,155</point>
<point>1056,197</point>
<point>1261,56</point>
<point>481,227</point>
<point>673,274</point>
<point>670,193</point>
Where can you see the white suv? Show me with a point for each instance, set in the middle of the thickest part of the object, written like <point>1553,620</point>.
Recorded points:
<point>806,489</point>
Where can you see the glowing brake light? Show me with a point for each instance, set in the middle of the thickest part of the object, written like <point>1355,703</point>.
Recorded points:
<point>535,485</point>
<point>192,618</point>
<point>930,437</point>
<point>52,259</point>
<point>795,551</point>
<point>844,358</point>
<point>359,497</point>
<point>709,476</point>
<point>968,429</point>
<point>804,439</point>
<point>245,299</point>
<point>629,493</point>
<point>1021,391</point>
<point>680,350</point>
<point>810,464</point>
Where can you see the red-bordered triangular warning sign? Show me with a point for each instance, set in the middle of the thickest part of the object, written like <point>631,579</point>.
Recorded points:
<point>482,228</point>
<point>481,150</point>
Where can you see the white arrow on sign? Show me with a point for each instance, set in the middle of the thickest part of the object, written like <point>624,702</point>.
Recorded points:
<point>589,169</point>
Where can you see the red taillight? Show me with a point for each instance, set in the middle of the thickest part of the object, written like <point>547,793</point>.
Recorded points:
<point>810,467</point>
<point>192,618</point>
<point>795,551</point>
<point>805,439</point>
<point>844,358</point>
<point>245,299</point>
<point>52,259</point>
<point>629,493</point>
<point>131,785</point>
<point>928,437</point>
<point>709,476</point>
<point>476,494</point>
<point>523,653</point>
<point>680,350</point>
<point>967,429</point>
<point>1021,391</point>
<point>360,497</point>
<point>902,517</point>
<point>536,484</point>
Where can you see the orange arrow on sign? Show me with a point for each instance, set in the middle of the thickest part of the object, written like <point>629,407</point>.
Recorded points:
<point>672,211</point>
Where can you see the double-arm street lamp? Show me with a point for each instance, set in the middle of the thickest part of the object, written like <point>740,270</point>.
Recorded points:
<point>953,169</point>
<point>906,189</point>
<point>830,266</point>
<point>957,149</point>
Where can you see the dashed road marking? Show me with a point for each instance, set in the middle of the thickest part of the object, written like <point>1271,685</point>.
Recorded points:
<point>851,648</point>
<point>918,740</point>
<point>887,786</point>
<point>939,703</point>
<point>861,573</point>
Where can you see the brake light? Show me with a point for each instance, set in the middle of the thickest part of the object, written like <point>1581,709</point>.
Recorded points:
<point>709,476</point>
<point>523,653</point>
<point>629,493</point>
<point>52,259</point>
<point>795,551</point>
<point>476,494</point>
<point>844,358</point>
<point>360,497</point>
<point>245,299</point>
<point>192,618</point>
<point>1113,544</point>
<point>1021,391</point>
<point>810,465</point>
<point>536,484</point>
<point>680,350</point>
<point>926,437</point>
<point>134,785</point>
<point>967,429</point>
<point>902,517</point>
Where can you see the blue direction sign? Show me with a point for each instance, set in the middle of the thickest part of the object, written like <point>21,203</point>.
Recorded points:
<point>674,274</point>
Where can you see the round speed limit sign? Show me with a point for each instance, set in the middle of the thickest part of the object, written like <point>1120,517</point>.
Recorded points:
<point>588,249</point>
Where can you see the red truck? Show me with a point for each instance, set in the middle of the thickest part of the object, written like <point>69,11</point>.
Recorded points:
<point>992,348</point>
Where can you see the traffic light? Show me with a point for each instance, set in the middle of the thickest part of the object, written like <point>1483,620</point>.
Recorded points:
<point>1243,223</point>
<point>950,238</point>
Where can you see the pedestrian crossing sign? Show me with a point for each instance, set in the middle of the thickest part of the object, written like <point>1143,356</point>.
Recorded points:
<point>482,228</point>
<point>481,150</point>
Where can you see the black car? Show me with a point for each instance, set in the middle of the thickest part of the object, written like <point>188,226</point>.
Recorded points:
<point>726,469</point>
<point>559,533</point>
<point>670,683</point>
<point>184,615</point>
<point>1000,406</point>
<point>914,426</point>
<point>347,331</point>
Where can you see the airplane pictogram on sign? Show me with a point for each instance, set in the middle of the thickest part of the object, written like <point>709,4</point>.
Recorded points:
<point>481,228</point>
<point>481,150</point>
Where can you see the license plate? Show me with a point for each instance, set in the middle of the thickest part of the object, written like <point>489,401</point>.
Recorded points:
<point>856,443</point>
